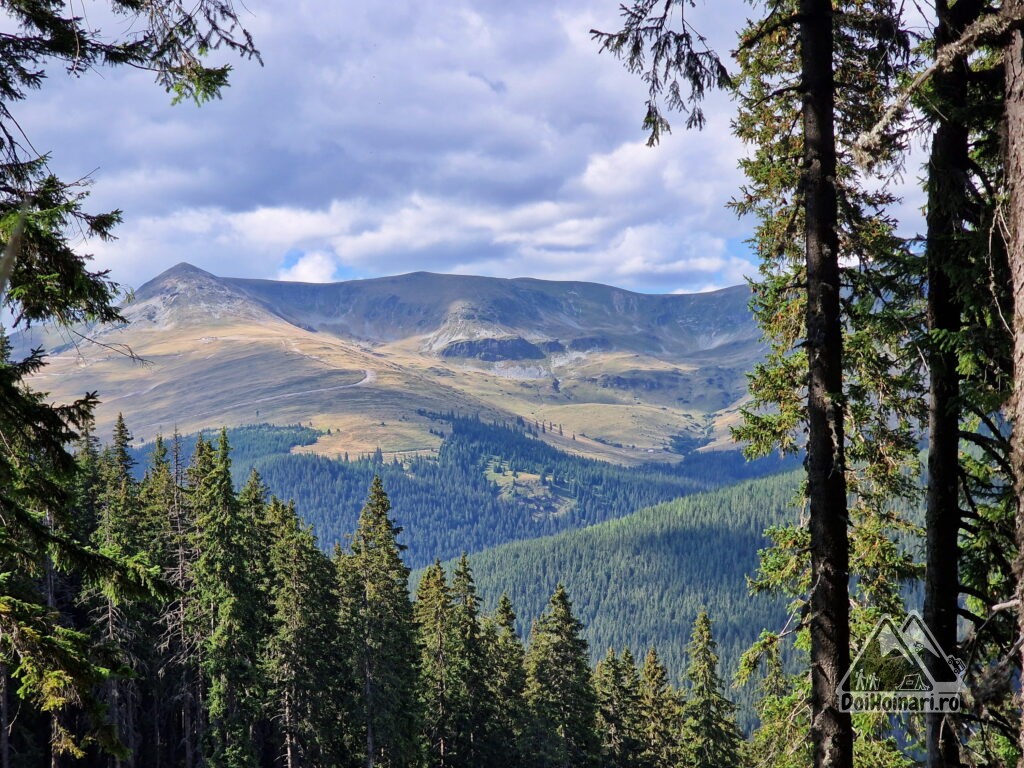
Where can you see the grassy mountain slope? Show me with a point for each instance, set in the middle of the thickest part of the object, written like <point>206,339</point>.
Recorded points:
<point>624,373</point>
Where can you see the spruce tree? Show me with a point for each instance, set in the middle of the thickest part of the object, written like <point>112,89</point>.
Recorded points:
<point>44,278</point>
<point>619,713</point>
<point>433,614</point>
<point>472,707</point>
<point>709,733</point>
<point>379,631</point>
<point>119,623</point>
<point>158,729</point>
<point>229,609</point>
<point>181,627</point>
<point>559,690</point>
<point>506,689</point>
<point>300,662</point>
<point>660,715</point>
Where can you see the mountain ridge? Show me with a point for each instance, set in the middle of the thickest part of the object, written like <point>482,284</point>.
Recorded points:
<point>453,308</point>
<point>622,374</point>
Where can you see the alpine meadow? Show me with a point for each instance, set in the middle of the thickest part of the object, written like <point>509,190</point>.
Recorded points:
<point>392,386</point>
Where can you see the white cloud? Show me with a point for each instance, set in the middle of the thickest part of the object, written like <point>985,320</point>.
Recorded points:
<point>315,267</point>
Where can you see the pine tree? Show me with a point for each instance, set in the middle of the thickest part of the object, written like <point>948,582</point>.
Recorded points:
<point>559,690</point>
<point>660,715</point>
<point>300,661</point>
<point>506,689</point>
<point>619,713</point>
<point>709,733</point>
<point>378,628</point>
<point>433,614</point>
<point>228,608</point>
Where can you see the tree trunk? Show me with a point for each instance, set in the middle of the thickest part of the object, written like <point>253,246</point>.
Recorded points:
<point>1014,63</point>
<point>368,693</point>
<point>5,720</point>
<point>831,729</point>
<point>186,727</point>
<point>289,733</point>
<point>948,169</point>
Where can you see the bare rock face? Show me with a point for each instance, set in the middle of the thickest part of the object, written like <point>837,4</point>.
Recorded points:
<point>186,295</point>
<point>493,350</point>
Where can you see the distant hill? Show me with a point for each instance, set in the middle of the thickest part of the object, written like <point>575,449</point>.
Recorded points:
<point>489,485</point>
<point>640,580</point>
<point>631,376</point>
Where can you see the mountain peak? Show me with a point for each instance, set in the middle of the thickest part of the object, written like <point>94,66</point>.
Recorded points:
<point>187,294</point>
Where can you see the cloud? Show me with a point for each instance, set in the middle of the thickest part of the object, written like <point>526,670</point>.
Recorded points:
<point>472,136</point>
<point>315,267</point>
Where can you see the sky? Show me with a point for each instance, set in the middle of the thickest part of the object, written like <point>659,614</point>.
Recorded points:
<point>466,136</point>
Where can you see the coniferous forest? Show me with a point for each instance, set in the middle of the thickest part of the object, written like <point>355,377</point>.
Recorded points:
<point>449,504</point>
<point>239,642</point>
<point>165,614</point>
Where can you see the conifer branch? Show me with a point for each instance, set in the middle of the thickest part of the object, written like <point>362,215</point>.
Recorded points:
<point>986,30</point>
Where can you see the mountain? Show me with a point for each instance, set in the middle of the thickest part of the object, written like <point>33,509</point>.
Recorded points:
<point>617,375</point>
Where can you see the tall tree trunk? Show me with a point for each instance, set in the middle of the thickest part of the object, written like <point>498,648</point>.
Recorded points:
<point>948,170</point>
<point>113,689</point>
<point>50,588</point>
<point>831,729</point>
<point>1014,64</point>
<point>371,747</point>
<point>186,727</point>
<point>5,720</point>
<point>289,732</point>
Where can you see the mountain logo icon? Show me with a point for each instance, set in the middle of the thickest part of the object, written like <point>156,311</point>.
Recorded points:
<point>900,667</point>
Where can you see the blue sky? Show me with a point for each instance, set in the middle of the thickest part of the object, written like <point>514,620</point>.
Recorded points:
<point>471,136</point>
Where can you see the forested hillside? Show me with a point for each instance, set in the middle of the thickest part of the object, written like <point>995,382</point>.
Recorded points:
<point>490,484</point>
<point>641,581</point>
<point>236,641</point>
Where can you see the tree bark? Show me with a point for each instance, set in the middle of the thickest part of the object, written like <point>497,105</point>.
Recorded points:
<point>5,720</point>
<point>1014,64</point>
<point>831,729</point>
<point>948,170</point>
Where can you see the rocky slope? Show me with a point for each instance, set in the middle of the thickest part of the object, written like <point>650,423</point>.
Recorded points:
<point>624,373</point>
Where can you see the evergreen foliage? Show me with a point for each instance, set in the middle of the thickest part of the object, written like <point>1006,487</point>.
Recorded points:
<point>505,681</point>
<point>559,690</point>
<point>267,653</point>
<point>377,622</point>
<point>619,713</point>
<point>640,581</point>
<point>305,695</point>
<point>709,727</point>
<point>229,608</point>
<point>660,715</point>
<point>449,505</point>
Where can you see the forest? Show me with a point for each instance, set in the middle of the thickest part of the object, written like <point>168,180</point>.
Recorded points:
<point>879,344</point>
<point>257,648</point>
<point>639,581</point>
<point>450,504</point>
